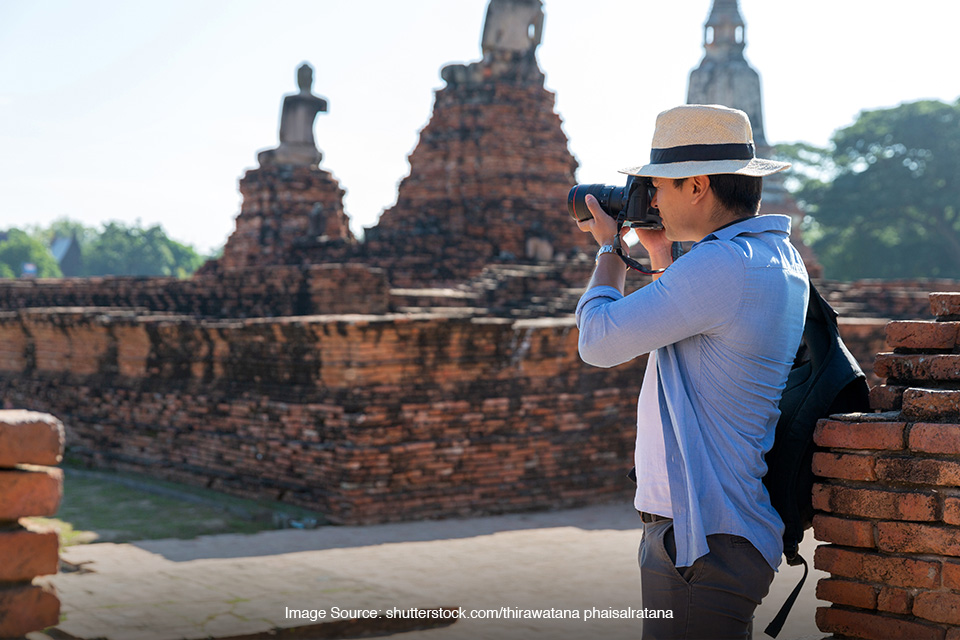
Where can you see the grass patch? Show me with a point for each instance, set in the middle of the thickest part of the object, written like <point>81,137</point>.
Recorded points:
<point>102,506</point>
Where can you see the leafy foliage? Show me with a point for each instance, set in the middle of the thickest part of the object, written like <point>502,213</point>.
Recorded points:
<point>20,248</point>
<point>115,249</point>
<point>885,199</point>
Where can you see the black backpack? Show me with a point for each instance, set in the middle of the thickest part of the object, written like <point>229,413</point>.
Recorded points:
<point>825,379</point>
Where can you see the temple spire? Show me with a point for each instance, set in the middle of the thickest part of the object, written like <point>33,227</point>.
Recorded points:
<point>724,75</point>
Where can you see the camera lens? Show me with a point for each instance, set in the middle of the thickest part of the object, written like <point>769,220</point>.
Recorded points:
<point>611,199</point>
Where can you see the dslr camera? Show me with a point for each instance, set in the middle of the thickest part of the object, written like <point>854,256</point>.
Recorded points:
<point>630,202</point>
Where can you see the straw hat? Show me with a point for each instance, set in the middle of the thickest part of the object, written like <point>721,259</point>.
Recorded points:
<point>697,139</point>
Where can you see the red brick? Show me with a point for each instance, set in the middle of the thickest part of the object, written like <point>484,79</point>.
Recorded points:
<point>951,575</point>
<point>909,537</point>
<point>844,466</point>
<point>874,626</point>
<point>921,334</point>
<point>27,608</point>
<point>895,600</point>
<point>945,304</point>
<point>928,471</point>
<point>29,437</point>
<point>875,503</point>
<point>953,633</point>
<point>859,435</point>
<point>951,510</point>
<point>930,404</point>
<point>938,606</point>
<point>841,531</point>
<point>866,566</point>
<point>884,397</point>
<point>30,491</point>
<point>27,554</point>
<point>921,367</point>
<point>935,438</point>
<point>854,594</point>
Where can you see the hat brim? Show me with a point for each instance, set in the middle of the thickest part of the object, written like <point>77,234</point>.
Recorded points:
<point>756,167</point>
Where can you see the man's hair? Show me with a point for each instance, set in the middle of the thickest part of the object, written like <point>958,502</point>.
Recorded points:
<point>738,194</point>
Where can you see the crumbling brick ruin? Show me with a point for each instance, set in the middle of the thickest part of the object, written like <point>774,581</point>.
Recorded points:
<point>422,373</point>
<point>890,492</point>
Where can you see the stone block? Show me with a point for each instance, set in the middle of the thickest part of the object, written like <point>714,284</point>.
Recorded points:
<point>918,367</point>
<point>25,608</point>
<point>867,566</point>
<point>859,435</point>
<point>916,335</point>
<point>29,437</point>
<point>844,531</point>
<point>935,438</point>
<point>848,592</point>
<point>875,503</point>
<point>911,537</point>
<point>849,623</point>
<point>844,466</point>
<point>923,471</point>
<point>938,606</point>
<point>30,491</point>
<point>944,305</point>
<point>931,404</point>
<point>27,554</point>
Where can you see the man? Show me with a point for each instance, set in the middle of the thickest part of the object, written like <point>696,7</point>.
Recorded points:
<point>722,325</point>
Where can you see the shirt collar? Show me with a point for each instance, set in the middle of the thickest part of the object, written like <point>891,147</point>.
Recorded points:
<point>755,224</point>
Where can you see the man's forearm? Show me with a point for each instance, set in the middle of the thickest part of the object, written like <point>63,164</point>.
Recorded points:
<point>610,271</point>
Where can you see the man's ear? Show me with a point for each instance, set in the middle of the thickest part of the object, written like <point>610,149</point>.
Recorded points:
<point>701,185</point>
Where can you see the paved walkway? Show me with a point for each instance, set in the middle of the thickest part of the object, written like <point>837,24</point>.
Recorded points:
<point>581,560</point>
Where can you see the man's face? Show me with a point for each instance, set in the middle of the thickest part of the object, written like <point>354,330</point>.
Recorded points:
<point>668,199</point>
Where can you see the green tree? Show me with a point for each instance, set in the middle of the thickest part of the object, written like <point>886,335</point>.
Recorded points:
<point>884,200</point>
<point>132,250</point>
<point>20,248</point>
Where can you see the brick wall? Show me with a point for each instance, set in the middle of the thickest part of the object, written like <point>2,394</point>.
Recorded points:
<point>890,492</point>
<point>239,293</point>
<point>30,443</point>
<point>365,418</point>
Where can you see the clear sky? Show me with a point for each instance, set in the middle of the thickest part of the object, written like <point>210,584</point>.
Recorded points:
<point>150,110</point>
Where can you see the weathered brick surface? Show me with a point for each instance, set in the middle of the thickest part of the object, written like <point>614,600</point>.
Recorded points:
<point>25,608</point>
<point>859,435</point>
<point>28,437</point>
<point>848,592</point>
<point>846,466</point>
<point>931,404</point>
<point>918,367</point>
<point>935,438</point>
<point>432,414</point>
<point>843,531</point>
<point>30,491</point>
<point>878,568</point>
<point>925,471</point>
<point>938,606</point>
<point>885,397</point>
<point>915,335</point>
<point>875,503</point>
<point>951,575</point>
<point>951,510</point>
<point>27,554</point>
<point>852,623</point>
<point>895,600</point>
<point>945,305</point>
<point>909,537</point>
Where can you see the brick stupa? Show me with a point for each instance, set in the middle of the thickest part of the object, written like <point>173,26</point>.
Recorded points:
<point>288,202</point>
<point>489,178</point>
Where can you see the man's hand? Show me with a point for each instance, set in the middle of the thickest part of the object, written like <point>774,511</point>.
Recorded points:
<point>602,226</point>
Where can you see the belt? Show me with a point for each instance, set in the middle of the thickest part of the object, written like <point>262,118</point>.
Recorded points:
<point>648,518</point>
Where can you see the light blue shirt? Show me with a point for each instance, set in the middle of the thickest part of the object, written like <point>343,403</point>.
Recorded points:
<point>726,319</point>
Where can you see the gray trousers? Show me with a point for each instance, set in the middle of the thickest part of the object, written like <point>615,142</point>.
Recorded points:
<point>713,599</point>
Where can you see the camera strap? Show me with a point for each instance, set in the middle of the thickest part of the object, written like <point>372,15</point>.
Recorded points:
<point>676,251</point>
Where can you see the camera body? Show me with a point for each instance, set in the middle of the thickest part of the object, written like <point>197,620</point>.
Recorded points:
<point>633,200</point>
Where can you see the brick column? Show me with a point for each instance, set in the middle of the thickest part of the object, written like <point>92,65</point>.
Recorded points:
<point>889,496</point>
<point>29,443</point>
